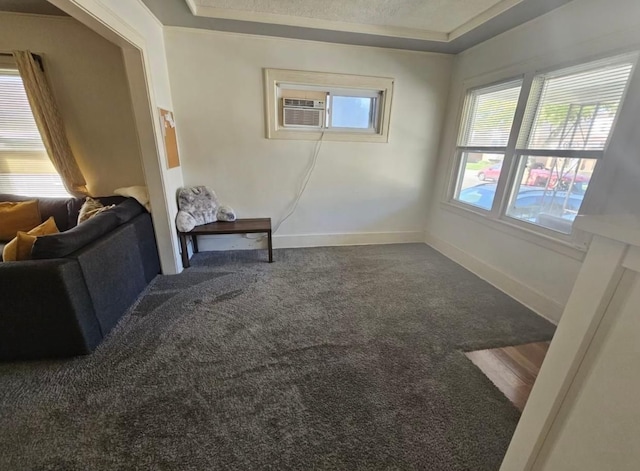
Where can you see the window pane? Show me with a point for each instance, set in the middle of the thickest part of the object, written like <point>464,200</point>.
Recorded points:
<point>576,109</point>
<point>36,185</point>
<point>18,129</point>
<point>489,115</point>
<point>29,174</point>
<point>550,191</point>
<point>352,112</point>
<point>478,178</point>
<point>25,168</point>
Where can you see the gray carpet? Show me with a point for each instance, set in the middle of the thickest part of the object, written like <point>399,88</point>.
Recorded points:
<point>346,358</point>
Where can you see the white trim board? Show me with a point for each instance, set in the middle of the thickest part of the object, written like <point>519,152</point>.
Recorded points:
<point>533,299</point>
<point>255,241</point>
<point>379,30</point>
<point>261,37</point>
<point>357,238</point>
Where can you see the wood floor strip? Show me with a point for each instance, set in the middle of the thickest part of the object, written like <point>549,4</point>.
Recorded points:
<point>512,369</point>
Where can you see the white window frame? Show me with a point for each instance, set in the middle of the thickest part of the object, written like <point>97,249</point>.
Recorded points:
<point>8,67</point>
<point>380,88</point>
<point>574,244</point>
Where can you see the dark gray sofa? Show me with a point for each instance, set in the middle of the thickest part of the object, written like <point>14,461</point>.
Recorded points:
<point>81,281</point>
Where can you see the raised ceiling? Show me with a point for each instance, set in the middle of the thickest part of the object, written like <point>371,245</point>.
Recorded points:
<point>425,25</point>
<point>438,20</point>
<point>448,26</point>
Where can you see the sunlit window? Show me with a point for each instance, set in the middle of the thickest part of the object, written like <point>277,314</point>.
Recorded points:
<point>537,169</point>
<point>312,105</point>
<point>25,168</point>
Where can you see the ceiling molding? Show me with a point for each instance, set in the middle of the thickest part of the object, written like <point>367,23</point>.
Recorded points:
<point>358,28</point>
<point>502,17</point>
<point>192,6</point>
<point>489,14</point>
<point>317,23</point>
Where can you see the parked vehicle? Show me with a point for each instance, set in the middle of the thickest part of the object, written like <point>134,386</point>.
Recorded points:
<point>541,177</point>
<point>546,178</point>
<point>530,202</point>
<point>490,173</point>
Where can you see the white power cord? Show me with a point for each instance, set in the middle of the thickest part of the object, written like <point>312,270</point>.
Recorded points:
<point>307,177</point>
<point>303,187</point>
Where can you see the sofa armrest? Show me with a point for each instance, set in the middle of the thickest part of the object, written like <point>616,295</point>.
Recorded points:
<point>113,271</point>
<point>46,310</point>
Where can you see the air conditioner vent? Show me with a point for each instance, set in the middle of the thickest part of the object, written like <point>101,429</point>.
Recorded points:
<point>303,117</point>
<point>303,103</point>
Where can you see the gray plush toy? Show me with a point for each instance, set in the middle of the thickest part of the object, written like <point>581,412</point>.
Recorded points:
<point>199,205</point>
<point>226,213</point>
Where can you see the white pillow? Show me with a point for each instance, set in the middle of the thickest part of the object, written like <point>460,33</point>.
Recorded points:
<point>139,193</point>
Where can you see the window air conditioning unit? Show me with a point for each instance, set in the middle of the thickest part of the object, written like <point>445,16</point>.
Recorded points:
<point>301,112</point>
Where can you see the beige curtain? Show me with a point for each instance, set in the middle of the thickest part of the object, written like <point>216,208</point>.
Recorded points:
<point>49,123</point>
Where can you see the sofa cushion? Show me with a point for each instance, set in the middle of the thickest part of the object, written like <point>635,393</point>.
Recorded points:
<point>64,210</point>
<point>73,210</point>
<point>114,273</point>
<point>147,244</point>
<point>107,200</point>
<point>20,247</point>
<point>18,216</point>
<point>65,243</point>
<point>46,310</point>
<point>127,210</point>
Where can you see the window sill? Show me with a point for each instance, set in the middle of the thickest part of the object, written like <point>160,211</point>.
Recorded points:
<point>559,246</point>
<point>328,136</point>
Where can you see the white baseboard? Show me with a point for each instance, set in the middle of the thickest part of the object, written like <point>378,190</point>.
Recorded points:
<point>256,241</point>
<point>533,299</point>
<point>357,238</point>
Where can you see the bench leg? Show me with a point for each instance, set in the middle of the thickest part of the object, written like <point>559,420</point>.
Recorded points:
<point>185,252</point>
<point>270,247</point>
<point>194,241</point>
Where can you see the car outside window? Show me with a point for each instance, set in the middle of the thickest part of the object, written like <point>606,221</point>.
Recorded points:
<point>526,154</point>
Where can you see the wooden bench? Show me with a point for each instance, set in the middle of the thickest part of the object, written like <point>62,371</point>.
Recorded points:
<point>239,226</point>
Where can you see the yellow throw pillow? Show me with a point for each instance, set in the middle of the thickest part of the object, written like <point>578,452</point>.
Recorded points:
<point>18,216</point>
<point>20,247</point>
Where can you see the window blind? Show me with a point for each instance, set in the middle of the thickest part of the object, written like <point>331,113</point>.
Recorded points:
<point>18,130</point>
<point>25,167</point>
<point>576,108</point>
<point>489,114</point>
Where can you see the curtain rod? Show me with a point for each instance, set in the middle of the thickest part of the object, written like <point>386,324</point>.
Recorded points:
<point>37,57</point>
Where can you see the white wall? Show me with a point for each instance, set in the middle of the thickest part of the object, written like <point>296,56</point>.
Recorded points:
<point>583,413</point>
<point>359,192</point>
<point>598,425</point>
<point>529,268</point>
<point>91,90</point>
<point>130,25</point>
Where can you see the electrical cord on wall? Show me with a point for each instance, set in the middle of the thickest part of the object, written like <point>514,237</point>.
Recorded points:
<point>307,177</point>
<point>303,187</point>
